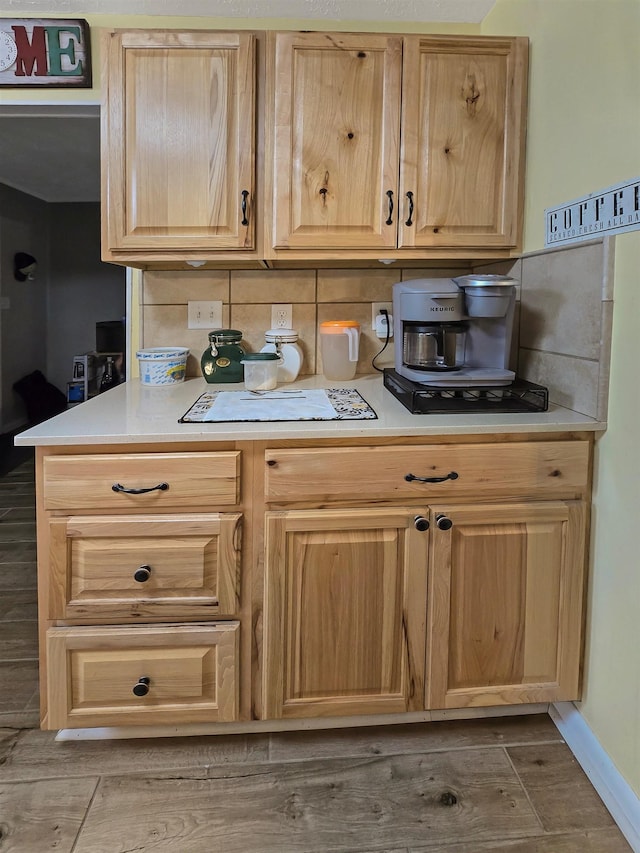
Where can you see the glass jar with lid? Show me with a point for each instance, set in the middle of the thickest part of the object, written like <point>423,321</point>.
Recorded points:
<point>222,359</point>
<point>284,342</point>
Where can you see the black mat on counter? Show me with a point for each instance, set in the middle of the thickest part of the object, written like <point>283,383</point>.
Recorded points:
<point>282,404</point>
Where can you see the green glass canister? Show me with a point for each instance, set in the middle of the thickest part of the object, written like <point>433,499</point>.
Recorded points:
<point>222,359</point>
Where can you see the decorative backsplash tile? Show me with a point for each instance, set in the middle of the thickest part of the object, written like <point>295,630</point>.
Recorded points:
<point>565,287</point>
<point>564,325</point>
<point>563,319</point>
<point>364,286</point>
<point>272,286</point>
<point>178,287</point>
<point>247,297</point>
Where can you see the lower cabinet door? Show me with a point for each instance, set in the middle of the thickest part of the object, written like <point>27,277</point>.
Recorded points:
<point>345,612</point>
<point>155,675</point>
<point>505,604</point>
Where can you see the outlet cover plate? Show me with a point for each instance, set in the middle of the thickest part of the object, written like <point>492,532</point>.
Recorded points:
<point>376,307</point>
<point>282,316</point>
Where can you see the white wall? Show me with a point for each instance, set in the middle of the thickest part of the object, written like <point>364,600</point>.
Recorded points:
<point>584,135</point>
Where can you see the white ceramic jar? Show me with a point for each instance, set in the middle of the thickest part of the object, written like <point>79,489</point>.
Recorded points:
<point>284,342</point>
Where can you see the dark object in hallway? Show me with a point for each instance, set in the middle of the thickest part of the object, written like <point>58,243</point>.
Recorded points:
<point>11,456</point>
<point>42,399</point>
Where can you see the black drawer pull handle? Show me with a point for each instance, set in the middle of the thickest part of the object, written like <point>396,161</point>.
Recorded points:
<point>389,219</point>
<point>142,687</point>
<point>421,523</point>
<point>142,574</point>
<point>243,205</point>
<point>443,522</point>
<point>410,217</point>
<point>411,477</point>
<point>161,487</point>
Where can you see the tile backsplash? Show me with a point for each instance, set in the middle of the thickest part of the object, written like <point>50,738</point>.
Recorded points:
<point>247,297</point>
<point>562,337</point>
<point>565,319</point>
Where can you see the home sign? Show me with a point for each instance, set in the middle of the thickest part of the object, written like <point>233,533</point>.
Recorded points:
<point>54,52</point>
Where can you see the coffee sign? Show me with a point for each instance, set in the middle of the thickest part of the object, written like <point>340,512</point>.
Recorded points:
<point>45,52</point>
<point>600,214</point>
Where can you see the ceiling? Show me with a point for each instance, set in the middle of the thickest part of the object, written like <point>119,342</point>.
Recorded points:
<point>52,152</point>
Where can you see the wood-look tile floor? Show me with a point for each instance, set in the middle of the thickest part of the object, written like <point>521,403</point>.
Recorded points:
<point>509,784</point>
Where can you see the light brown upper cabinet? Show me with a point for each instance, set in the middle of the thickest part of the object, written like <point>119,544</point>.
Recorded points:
<point>336,140</point>
<point>395,143</point>
<point>178,145</point>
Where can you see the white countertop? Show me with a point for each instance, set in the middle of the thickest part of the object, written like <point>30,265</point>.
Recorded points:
<point>132,413</point>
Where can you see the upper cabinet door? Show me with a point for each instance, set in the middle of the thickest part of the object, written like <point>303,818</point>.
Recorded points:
<point>336,140</point>
<point>178,141</point>
<point>463,129</point>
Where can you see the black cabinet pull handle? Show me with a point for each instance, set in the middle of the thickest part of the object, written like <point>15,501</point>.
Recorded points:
<point>390,217</point>
<point>142,687</point>
<point>161,487</point>
<point>421,523</point>
<point>443,522</point>
<point>142,574</point>
<point>411,477</point>
<point>410,219</point>
<point>245,195</point>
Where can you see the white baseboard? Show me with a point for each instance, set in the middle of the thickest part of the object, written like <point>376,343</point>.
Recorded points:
<point>614,791</point>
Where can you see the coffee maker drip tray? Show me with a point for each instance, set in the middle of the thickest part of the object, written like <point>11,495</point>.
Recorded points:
<point>519,396</point>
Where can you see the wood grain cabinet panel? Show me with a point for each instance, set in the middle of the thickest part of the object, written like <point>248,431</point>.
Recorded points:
<point>345,610</point>
<point>190,673</point>
<point>396,143</point>
<point>194,480</point>
<point>505,604</point>
<point>178,143</point>
<point>143,567</point>
<point>519,469</point>
<point>463,130</point>
<point>336,139</point>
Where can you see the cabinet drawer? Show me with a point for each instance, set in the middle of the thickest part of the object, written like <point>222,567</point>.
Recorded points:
<point>162,480</point>
<point>138,566</point>
<point>191,670</point>
<point>526,469</point>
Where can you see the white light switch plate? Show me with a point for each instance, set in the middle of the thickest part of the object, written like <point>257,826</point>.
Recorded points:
<point>204,315</point>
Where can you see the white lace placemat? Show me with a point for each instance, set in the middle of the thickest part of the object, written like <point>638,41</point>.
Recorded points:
<point>326,404</point>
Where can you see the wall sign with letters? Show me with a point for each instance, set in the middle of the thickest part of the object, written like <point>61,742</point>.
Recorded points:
<point>600,214</point>
<point>50,52</point>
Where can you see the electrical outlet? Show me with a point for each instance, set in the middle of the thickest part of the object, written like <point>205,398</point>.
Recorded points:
<point>282,316</point>
<point>204,315</point>
<point>376,308</point>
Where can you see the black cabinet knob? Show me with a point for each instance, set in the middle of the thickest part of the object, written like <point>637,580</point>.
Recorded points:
<point>421,523</point>
<point>142,574</point>
<point>142,687</point>
<point>443,522</point>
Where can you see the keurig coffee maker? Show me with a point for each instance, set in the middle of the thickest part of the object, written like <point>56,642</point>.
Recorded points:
<point>454,332</point>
